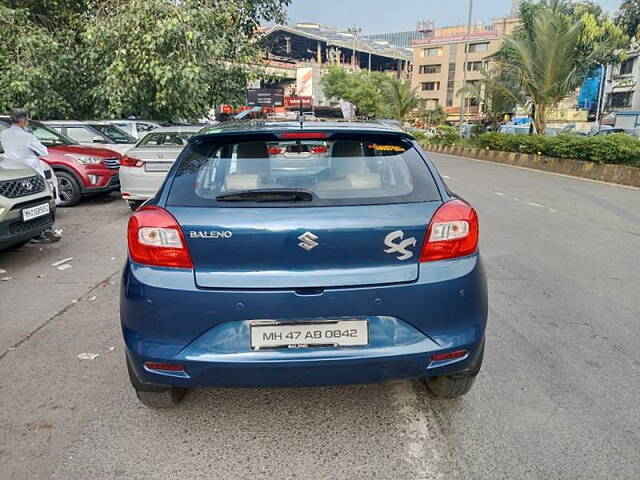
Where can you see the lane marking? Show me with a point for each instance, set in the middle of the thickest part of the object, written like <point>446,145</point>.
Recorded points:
<point>628,187</point>
<point>500,194</point>
<point>446,177</point>
<point>516,199</point>
<point>552,210</point>
<point>534,204</point>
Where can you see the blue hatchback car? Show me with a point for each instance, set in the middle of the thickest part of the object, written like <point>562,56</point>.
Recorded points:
<point>286,255</point>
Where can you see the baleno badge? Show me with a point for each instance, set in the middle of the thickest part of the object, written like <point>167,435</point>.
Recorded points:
<point>400,248</point>
<point>210,235</point>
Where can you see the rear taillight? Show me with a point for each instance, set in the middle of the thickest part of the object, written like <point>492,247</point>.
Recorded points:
<point>275,150</point>
<point>128,161</point>
<point>319,150</point>
<point>303,135</point>
<point>155,238</point>
<point>453,232</point>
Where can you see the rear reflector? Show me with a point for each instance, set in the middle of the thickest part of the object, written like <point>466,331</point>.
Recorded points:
<point>156,239</point>
<point>440,357</point>
<point>453,232</point>
<point>168,367</point>
<point>303,135</point>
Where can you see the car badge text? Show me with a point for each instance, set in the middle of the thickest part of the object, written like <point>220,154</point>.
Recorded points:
<point>308,241</point>
<point>400,248</point>
<point>211,235</point>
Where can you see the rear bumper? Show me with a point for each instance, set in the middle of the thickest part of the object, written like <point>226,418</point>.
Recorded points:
<point>137,184</point>
<point>166,319</point>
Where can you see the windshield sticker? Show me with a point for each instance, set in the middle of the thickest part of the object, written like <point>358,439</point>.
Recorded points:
<point>387,148</point>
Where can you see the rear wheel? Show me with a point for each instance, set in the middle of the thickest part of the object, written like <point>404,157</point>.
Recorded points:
<point>134,204</point>
<point>451,386</point>
<point>68,189</point>
<point>155,396</point>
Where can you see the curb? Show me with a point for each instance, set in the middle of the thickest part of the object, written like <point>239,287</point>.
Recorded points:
<point>603,172</point>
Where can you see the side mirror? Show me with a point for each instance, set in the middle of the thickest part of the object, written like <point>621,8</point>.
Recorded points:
<point>98,140</point>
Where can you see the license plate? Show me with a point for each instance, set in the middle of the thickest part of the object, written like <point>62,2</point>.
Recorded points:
<point>35,212</point>
<point>341,333</point>
<point>157,166</point>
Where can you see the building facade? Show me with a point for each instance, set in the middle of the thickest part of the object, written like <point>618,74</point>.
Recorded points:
<point>622,86</point>
<point>439,64</point>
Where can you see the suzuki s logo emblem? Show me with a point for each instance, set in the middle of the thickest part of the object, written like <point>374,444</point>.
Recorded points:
<point>308,241</point>
<point>401,247</point>
<point>27,185</point>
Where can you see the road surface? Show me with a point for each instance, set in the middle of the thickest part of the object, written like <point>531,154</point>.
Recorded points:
<point>557,396</point>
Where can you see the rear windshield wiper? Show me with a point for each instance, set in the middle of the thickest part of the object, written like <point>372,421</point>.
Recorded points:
<point>268,195</point>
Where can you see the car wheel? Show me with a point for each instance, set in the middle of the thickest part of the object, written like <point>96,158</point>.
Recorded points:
<point>155,396</point>
<point>68,189</point>
<point>134,204</point>
<point>449,387</point>
<point>18,245</point>
<point>456,385</point>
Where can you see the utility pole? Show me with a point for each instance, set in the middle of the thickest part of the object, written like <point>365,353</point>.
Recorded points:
<point>464,68</point>
<point>354,31</point>
<point>601,92</point>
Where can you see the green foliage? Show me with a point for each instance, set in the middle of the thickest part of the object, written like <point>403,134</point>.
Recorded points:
<point>365,90</point>
<point>374,94</point>
<point>111,58</point>
<point>431,117</point>
<point>629,17</point>
<point>617,148</point>
<point>445,135</point>
<point>402,99</point>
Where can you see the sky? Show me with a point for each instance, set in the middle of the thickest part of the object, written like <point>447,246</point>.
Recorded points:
<point>383,16</point>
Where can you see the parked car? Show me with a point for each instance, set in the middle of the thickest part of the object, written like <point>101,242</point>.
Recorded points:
<point>91,133</point>
<point>513,129</point>
<point>135,128</point>
<point>145,166</point>
<point>80,170</point>
<point>634,132</point>
<point>364,271</point>
<point>27,205</point>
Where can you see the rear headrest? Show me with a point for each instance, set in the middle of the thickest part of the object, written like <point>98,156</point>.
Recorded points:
<point>253,150</point>
<point>346,149</point>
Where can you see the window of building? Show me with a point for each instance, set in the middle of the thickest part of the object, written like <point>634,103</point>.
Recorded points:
<point>430,69</point>
<point>433,52</point>
<point>479,47</point>
<point>430,86</point>
<point>474,66</point>
<point>626,67</point>
<point>621,99</point>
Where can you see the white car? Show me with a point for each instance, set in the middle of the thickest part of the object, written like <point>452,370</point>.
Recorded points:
<point>145,166</point>
<point>94,133</point>
<point>135,128</point>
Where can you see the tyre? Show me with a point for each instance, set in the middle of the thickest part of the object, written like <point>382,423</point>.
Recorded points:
<point>68,189</point>
<point>134,204</point>
<point>154,396</point>
<point>449,387</point>
<point>456,385</point>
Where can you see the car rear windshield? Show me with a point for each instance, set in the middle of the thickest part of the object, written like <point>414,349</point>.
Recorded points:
<point>165,139</point>
<point>302,173</point>
<point>114,133</point>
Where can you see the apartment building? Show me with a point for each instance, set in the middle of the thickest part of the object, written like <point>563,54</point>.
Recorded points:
<point>622,87</point>
<point>439,63</point>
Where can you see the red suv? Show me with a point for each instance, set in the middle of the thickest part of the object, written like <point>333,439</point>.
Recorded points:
<point>81,170</point>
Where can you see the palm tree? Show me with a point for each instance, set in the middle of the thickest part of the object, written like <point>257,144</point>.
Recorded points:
<point>402,98</point>
<point>544,61</point>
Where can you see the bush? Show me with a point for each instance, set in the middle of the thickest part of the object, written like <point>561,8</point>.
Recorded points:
<point>618,148</point>
<point>445,135</point>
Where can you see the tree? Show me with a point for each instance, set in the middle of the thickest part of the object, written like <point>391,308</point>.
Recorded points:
<point>629,17</point>
<point>154,58</point>
<point>431,117</point>
<point>365,90</point>
<point>401,97</point>
<point>544,62</point>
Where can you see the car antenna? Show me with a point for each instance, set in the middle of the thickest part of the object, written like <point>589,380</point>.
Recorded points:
<point>301,115</point>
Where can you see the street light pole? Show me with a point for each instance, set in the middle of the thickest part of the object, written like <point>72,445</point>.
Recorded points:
<point>464,68</point>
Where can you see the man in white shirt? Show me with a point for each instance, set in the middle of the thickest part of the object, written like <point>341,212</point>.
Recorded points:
<point>23,148</point>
